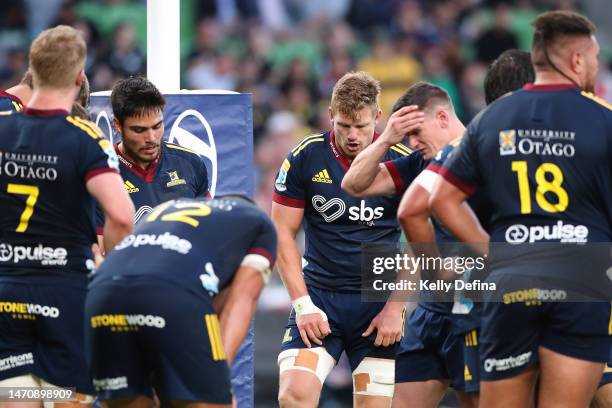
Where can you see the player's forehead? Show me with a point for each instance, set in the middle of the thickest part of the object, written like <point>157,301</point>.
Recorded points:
<point>363,116</point>
<point>144,119</point>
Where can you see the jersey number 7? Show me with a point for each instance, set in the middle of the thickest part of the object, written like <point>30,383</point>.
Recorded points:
<point>32,193</point>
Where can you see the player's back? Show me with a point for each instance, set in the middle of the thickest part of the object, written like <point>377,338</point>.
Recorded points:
<point>545,164</point>
<point>193,243</point>
<point>46,225</point>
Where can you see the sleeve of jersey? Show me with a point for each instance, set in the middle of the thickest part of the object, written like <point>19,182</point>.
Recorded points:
<point>461,168</point>
<point>289,184</point>
<point>97,156</point>
<point>404,170</point>
<point>203,189</point>
<point>262,254</point>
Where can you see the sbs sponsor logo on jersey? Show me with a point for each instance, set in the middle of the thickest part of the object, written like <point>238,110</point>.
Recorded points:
<point>333,209</point>
<point>519,233</point>
<point>165,240</point>
<point>192,131</point>
<point>47,256</point>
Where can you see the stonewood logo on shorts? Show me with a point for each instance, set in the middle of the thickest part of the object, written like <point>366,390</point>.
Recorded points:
<point>26,310</point>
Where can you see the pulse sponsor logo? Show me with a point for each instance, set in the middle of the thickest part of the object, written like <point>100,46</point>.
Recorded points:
<point>165,240</point>
<point>564,233</point>
<point>47,256</point>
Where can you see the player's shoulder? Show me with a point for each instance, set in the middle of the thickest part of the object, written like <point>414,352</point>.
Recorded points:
<point>446,151</point>
<point>310,143</point>
<point>399,150</point>
<point>177,150</point>
<point>82,127</point>
<point>597,102</point>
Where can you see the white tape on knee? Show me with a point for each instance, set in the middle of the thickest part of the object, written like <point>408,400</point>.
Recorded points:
<point>22,381</point>
<point>374,376</point>
<point>314,360</point>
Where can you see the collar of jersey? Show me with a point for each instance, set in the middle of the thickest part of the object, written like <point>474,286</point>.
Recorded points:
<point>44,112</point>
<point>549,87</point>
<point>344,162</point>
<point>11,96</point>
<point>148,174</point>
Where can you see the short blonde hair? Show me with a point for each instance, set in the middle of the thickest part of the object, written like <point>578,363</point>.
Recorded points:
<point>57,56</point>
<point>353,92</point>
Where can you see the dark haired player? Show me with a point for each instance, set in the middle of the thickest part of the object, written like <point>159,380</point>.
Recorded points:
<point>52,167</point>
<point>153,171</point>
<point>532,190</point>
<point>171,304</point>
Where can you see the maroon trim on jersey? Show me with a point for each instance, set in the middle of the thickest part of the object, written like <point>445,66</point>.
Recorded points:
<point>148,174</point>
<point>93,173</point>
<point>44,112</point>
<point>398,182</point>
<point>436,168</point>
<point>457,181</point>
<point>12,97</point>
<point>263,252</point>
<point>344,162</point>
<point>288,201</point>
<point>550,87</point>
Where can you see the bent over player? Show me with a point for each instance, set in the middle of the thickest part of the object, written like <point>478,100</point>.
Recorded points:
<point>328,316</point>
<point>170,306</point>
<point>52,166</point>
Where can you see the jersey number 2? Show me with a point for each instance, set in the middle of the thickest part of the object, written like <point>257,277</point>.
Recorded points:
<point>185,214</point>
<point>544,186</point>
<point>32,193</point>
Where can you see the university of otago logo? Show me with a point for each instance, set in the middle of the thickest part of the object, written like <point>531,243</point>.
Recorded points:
<point>507,142</point>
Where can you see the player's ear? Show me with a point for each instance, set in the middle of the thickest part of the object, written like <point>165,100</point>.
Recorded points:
<point>117,125</point>
<point>443,118</point>
<point>80,78</point>
<point>331,114</point>
<point>377,117</point>
<point>577,62</point>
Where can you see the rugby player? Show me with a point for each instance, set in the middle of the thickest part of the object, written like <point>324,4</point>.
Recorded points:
<point>531,188</point>
<point>459,351</point>
<point>52,167</point>
<point>153,171</point>
<point>328,316</point>
<point>170,306</point>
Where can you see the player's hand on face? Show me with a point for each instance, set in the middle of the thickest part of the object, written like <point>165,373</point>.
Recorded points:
<point>313,328</point>
<point>388,324</point>
<point>402,122</point>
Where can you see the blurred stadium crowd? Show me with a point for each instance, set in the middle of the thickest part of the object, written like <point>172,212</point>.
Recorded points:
<point>289,53</point>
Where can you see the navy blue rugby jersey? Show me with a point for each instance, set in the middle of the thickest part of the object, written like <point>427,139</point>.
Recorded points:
<point>178,172</point>
<point>9,102</point>
<point>197,244</point>
<point>46,158</point>
<point>336,224</point>
<point>542,158</point>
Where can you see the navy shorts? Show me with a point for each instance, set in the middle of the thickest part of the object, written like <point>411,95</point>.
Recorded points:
<point>348,318</point>
<point>430,350</point>
<point>41,333</point>
<point>513,328</point>
<point>607,374</point>
<point>143,334</point>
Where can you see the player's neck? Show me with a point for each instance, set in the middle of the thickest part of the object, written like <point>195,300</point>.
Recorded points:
<point>51,99</point>
<point>21,91</point>
<point>553,78</point>
<point>132,158</point>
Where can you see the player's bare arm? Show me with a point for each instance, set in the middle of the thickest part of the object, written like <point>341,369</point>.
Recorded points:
<point>312,322</point>
<point>448,204</point>
<point>367,176</point>
<point>108,190</point>
<point>238,309</point>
